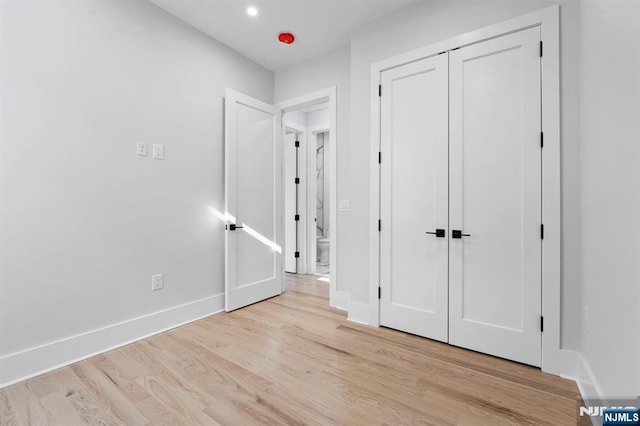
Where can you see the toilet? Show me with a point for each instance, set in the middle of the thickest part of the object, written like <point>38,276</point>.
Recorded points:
<point>323,251</point>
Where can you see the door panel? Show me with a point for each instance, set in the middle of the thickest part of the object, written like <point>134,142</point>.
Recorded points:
<point>495,196</point>
<point>290,203</point>
<point>414,186</point>
<point>253,201</point>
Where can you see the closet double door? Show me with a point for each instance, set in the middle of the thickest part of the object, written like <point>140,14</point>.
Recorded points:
<point>461,197</point>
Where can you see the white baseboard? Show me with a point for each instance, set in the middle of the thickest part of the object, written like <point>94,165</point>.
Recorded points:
<point>568,364</point>
<point>356,311</point>
<point>21,365</point>
<point>587,383</point>
<point>359,312</point>
<point>339,300</point>
<point>589,387</point>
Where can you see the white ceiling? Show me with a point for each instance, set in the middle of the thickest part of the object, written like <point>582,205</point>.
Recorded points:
<point>318,25</point>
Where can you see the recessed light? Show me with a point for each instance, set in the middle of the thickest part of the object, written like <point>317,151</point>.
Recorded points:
<point>252,11</point>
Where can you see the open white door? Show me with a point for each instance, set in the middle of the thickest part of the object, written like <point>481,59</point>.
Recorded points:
<point>253,201</point>
<point>290,203</point>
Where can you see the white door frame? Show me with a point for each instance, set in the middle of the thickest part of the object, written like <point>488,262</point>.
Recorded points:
<point>325,95</point>
<point>548,21</point>
<point>312,134</point>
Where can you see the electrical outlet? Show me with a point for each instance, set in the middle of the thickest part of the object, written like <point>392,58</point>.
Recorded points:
<point>141,149</point>
<point>157,282</point>
<point>158,152</point>
<point>344,205</point>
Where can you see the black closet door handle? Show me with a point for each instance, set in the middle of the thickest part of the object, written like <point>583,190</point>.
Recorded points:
<point>457,234</point>
<point>439,233</point>
<point>233,227</point>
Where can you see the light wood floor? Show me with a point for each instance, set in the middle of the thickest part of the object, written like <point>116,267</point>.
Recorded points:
<point>290,360</point>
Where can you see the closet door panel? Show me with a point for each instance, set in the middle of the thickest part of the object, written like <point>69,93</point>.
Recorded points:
<point>414,138</point>
<point>495,197</point>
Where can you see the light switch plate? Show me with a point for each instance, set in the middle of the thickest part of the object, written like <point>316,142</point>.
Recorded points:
<point>343,205</point>
<point>157,282</point>
<point>158,152</point>
<point>141,149</point>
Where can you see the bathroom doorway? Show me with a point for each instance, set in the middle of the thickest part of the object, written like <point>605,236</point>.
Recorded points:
<point>323,200</point>
<point>307,193</point>
<point>309,135</point>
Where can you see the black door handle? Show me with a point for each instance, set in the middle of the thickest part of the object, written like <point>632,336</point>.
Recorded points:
<point>456,233</point>
<point>439,233</point>
<point>233,227</point>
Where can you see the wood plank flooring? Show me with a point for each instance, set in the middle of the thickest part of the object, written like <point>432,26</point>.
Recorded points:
<point>290,360</point>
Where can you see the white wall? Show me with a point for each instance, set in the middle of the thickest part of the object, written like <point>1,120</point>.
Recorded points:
<point>326,71</point>
<point>296,118</point>
<point>84,223</point>
<point>424,24</point>
<point>610,147</point>
<point>318,118</point>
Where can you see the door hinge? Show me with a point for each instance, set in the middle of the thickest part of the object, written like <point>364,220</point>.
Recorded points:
<point>297,144</point>
<point>296,181</point>
<point>379,293</point>
<point>379,157</point>
<point>541,48</point>
<point>541,324</point>
<point>297,217</point>
<point>379,89</point>
<point>379,225</point>
<point>541,139</point>
<point>542,231</point>
<point>297,254</point>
